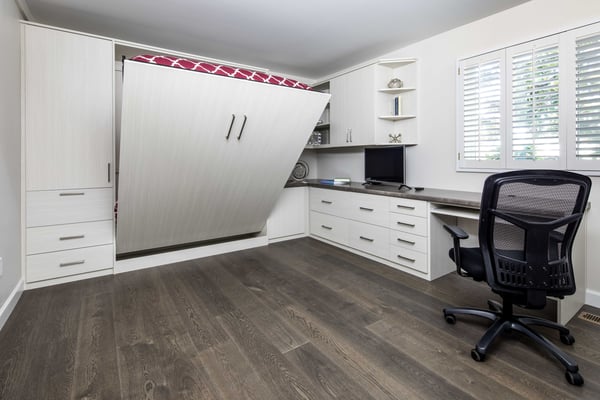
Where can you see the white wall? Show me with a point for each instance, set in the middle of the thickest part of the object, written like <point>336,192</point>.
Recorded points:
<point>10,151</point>
<point>432,162</point>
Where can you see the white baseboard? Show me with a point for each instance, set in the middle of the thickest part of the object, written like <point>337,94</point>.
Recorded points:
<point>155,260</point>
<point>290,237</point>
<point>592,298</point>
<point>10,303</point>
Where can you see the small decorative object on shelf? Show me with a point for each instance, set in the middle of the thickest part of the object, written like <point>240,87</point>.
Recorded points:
<point>395,138</point>
<point>395,83</point>
<point>315,138</point>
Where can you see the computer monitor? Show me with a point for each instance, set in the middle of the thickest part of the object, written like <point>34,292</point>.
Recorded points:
<point>385,164</point>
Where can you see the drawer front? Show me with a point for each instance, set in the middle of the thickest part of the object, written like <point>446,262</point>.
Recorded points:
<point>329,227</point>
<point>68,206</point>
<point>369,238</point>
<point>329,201</point>
<point>417,208</point>
<point>69,262</point>
<point>369,208</point>
<point>71,236</point>
<point>408,241</point>
<point>408,224</point>
<point>408,258</point>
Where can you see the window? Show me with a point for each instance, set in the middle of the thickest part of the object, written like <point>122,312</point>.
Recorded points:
<point>534,105</point>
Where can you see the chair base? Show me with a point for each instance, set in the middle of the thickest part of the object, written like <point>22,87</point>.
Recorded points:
<point>505,321</point>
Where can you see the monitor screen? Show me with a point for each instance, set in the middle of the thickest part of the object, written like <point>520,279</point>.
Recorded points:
<point>385,164</point>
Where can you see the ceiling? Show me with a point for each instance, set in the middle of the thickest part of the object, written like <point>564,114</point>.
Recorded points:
<point>306,38</point>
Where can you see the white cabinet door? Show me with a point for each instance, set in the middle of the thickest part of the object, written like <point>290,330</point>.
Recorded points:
<point>68,89</point>
<point>352,108</point>
<point>289,216</point>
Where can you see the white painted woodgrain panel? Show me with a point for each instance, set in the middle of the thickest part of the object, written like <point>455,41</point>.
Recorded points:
<point>70,236</point>
<point>288,217</point>
<point>68,109</point>
<point>181,180</point>
<point>69,262</point>
<point>54,207</point>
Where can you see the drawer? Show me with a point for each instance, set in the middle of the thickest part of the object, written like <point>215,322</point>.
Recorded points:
<point>54,207</point>
<point>408,241</point>
<point>71,236</point>
<point>369,208</point>
<point>332,202</point>
<point>329,227</point>
<point>408,258</point>
<point>369,238</point>
<point>417,208</point>
<point>408,223</point>
<point>69,262</point>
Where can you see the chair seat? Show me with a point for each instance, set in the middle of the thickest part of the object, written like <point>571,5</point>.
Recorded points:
<point>471,261</point>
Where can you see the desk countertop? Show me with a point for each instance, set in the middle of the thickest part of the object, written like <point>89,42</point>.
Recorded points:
<point>440,196</point>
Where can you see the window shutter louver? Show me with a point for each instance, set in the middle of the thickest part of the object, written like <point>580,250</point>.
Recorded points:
<point>535,104</point>
<point>587,89</point>
<point>481,111</point>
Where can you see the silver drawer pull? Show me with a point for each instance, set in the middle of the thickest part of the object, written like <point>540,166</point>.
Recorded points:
<point>405,224</point>
<point>72,194</point>
<point>326,202</point>
<point>326,227</point>
<point>366,209</point>
<point>69,264</point>
<point>71,237</point>
<point>407,207</point>
<point>406,241</point>
<point>412,260</point>
<point>367,239</point>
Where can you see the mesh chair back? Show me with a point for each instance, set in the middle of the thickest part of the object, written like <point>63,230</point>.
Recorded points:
<point>528,223</point>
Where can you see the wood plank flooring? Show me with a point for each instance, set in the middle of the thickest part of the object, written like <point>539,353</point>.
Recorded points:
<point>293,320</point>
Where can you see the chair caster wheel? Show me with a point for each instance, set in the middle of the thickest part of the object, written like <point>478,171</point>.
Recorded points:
<point>567,339</point>
<point>450,318</point>
<point>574,378</point>
<point>477,355</point>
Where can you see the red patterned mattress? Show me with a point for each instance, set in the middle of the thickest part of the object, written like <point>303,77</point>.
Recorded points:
<point>224,70</point>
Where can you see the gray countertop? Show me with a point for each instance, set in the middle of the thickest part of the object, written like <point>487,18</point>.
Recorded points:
<point>440,196</point>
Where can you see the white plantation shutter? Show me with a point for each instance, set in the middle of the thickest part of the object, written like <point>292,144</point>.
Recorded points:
<point>480,114</point>
<point>587,104</point>
<point>533,125</point>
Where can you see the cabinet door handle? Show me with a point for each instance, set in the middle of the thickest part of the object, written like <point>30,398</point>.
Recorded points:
<point>406,241</point>
<point>230,126</point>
<point>412,260</point>
<point>326,227</point>
<point>367,239</point>
<point>70,264</point>
<point>347,135</point>
<point>71,237</point>
<point>406,207</point>
<point>405,224</point>
<point>243,126</point>
<point>326,202</point>
<point>366,209</point>
<point>72,194</point>
<point>350,133</point>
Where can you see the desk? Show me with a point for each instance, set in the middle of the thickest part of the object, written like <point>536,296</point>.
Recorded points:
<point>456,208</point>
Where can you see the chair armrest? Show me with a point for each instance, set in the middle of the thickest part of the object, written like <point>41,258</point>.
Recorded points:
<point>456,232</point>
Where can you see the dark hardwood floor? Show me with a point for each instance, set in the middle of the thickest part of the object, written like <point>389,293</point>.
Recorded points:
<point>294,320</point>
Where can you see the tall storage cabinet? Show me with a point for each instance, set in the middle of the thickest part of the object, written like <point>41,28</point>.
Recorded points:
<point>68,136</point>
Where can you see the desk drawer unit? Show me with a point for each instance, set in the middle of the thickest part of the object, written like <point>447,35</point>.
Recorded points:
<point>369,208</point>
<point>416,208</point>
<point>369,238</point>
<point>70,236</point>
<point>408,224</point>
<point>408,241</point>
<point>329,227</point>
<point>68,206</point>
<point>69,262</point>
<point>409,258</point>
<point>332,202</point>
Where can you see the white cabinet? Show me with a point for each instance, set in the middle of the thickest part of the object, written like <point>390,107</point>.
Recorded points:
<point>68,136</point>
<point>289,216</point>
<point>352,114</point>
<point>68,109</point>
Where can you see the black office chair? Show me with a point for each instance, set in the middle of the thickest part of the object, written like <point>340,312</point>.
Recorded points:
<point>527,224</point>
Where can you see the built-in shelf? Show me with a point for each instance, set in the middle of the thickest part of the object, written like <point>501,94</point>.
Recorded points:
<point>396,117</point>
<point>396,90</point>
<point>322,126</point>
